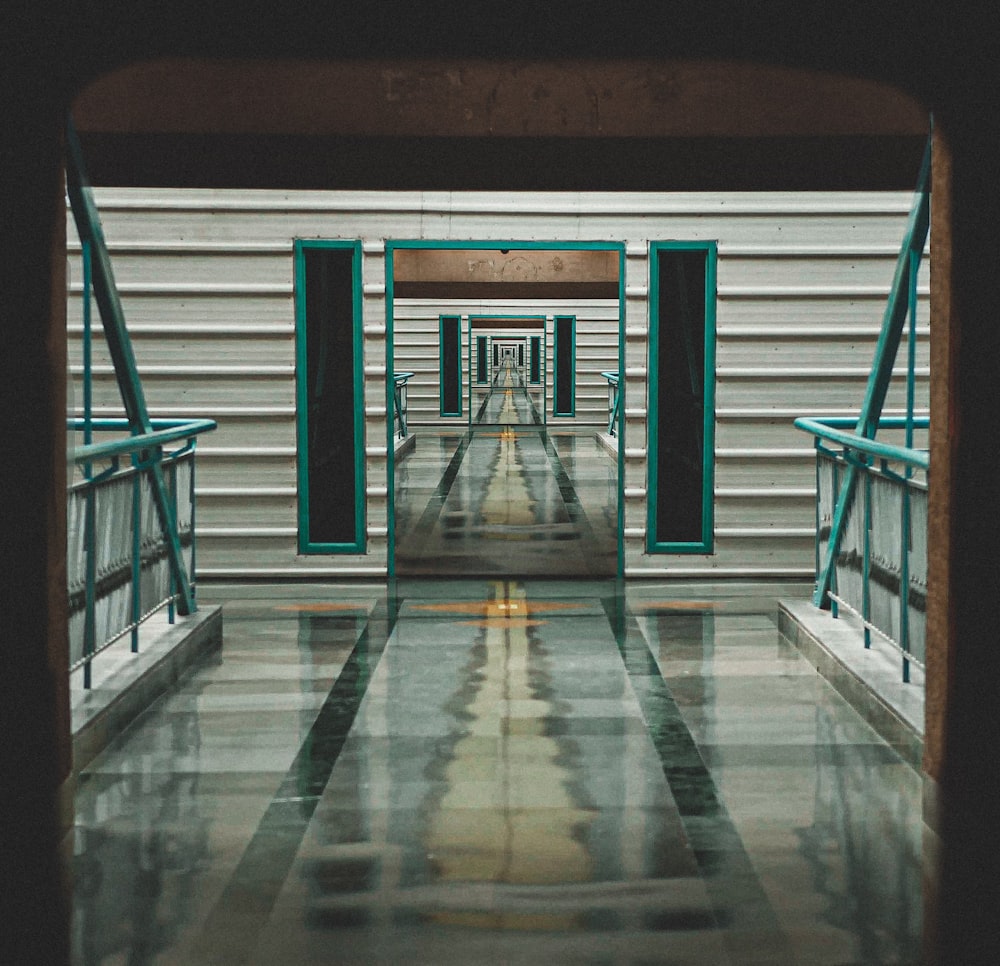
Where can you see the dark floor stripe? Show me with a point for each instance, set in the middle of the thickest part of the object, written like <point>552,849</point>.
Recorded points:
<point>433,509</point>
<point>229,934</point>
<point>574,508</point>
<point>740,904</point>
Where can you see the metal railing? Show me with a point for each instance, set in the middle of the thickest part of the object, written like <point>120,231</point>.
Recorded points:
<point>399,380</point>
<point>119,545</point>
<point>879,566</point>
<point>613,401</point>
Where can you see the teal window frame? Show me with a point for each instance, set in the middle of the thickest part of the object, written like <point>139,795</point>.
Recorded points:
<point>482,350</point>
<point>557,375</point>
<point>305,545</point>
<point>707,543</point>
<point>457,320</point>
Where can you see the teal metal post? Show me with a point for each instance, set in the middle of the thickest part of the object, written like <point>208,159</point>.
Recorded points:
<point>136,554</point>
<point>172,492</point>
<point>866,566</point>
<point>89,628</point>
<point>882,365</point>
<point>904,581</point>
<point>88,226</point>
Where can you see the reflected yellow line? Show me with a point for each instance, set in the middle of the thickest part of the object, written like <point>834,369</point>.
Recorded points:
<point>510,819</point>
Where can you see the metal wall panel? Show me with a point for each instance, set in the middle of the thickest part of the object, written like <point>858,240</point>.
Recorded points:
<point>206,280</point>
<point>415,339</point>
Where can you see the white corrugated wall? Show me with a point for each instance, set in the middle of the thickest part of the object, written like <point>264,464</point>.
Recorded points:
<point>416,350</point>
<point>206,278</point>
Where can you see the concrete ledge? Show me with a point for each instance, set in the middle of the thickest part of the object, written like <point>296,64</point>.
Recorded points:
<point>609,442</point>
<point>403,446</point>
<point>125,684</point>
<point>869,679</point>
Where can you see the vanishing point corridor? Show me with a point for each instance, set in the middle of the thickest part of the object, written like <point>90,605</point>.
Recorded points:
<point>498,770</point>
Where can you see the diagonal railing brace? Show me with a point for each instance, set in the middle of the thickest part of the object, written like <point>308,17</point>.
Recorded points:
<point>88,226</point>
<point>882,365</point>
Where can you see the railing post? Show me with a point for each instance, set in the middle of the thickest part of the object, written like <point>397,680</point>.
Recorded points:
<point>904,580</point>
<point>89,616</point>
<point>172,493</point>
<point>866,571</point>
<point>193,504</point>
<point>832,580</point>
<point>136,553</point>
<point>89,524</point>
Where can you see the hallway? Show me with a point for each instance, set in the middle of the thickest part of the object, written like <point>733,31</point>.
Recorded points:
<point>500,500</point>
<point>499,771</point>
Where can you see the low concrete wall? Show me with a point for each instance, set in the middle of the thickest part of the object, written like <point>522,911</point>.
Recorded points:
<point>127,684</point>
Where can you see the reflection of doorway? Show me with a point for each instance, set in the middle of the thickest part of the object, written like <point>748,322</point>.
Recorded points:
<point>493,490</point>
<point>506,363</point>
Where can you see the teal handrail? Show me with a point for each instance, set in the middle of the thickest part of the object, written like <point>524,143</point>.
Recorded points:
<point>164,431</point>
<point>857,459</point>
<point>104,580</point>
<point>614,401</point>
<point>901,303</point>
<point>828,428</point>
<point>399,380</point>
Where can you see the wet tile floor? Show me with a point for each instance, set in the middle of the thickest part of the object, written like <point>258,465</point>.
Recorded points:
<point>499,772</point>
<point>507,500</point>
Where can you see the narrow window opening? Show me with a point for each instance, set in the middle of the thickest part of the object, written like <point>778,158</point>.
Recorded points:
<point>451,365</point>
<point>681,397</point>
<point>331,490</point>
<point>564,402</point>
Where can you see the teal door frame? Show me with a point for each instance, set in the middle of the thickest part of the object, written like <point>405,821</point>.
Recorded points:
<point>569,246</point>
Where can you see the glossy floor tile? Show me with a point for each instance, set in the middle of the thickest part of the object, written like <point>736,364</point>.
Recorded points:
<point>506,499</point>
<point>499,771</point>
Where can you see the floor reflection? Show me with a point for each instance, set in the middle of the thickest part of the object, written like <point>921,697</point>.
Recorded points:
<point>506,834</point>
<point>141,845</point>
<point>509,401</point>
<point>465,772</point>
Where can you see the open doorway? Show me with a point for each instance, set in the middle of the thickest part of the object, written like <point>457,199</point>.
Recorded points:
<point>507,382</point>
<point>508,345</point>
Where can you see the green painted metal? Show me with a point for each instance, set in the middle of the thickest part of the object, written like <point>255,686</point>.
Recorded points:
<point>88,226</point>
<point>390,481</point>
<point>620,519</point>
<point>904,583</point>
<point>136,600</point>
<point>306,545</point>
<point>88,346</point>
<point>897,307</point>
<point>163,431</point>
<point>863,446</point>
<point>399,380</point>
<point>557,376</point>
<point>911,348</point>
<point>866,569</point>
<point>614,409</point>
<point>145,451</point>
<point>707,543</point>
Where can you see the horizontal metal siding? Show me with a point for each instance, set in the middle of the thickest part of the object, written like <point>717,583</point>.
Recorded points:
<point>415,349</point>
<point>206,280</point>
